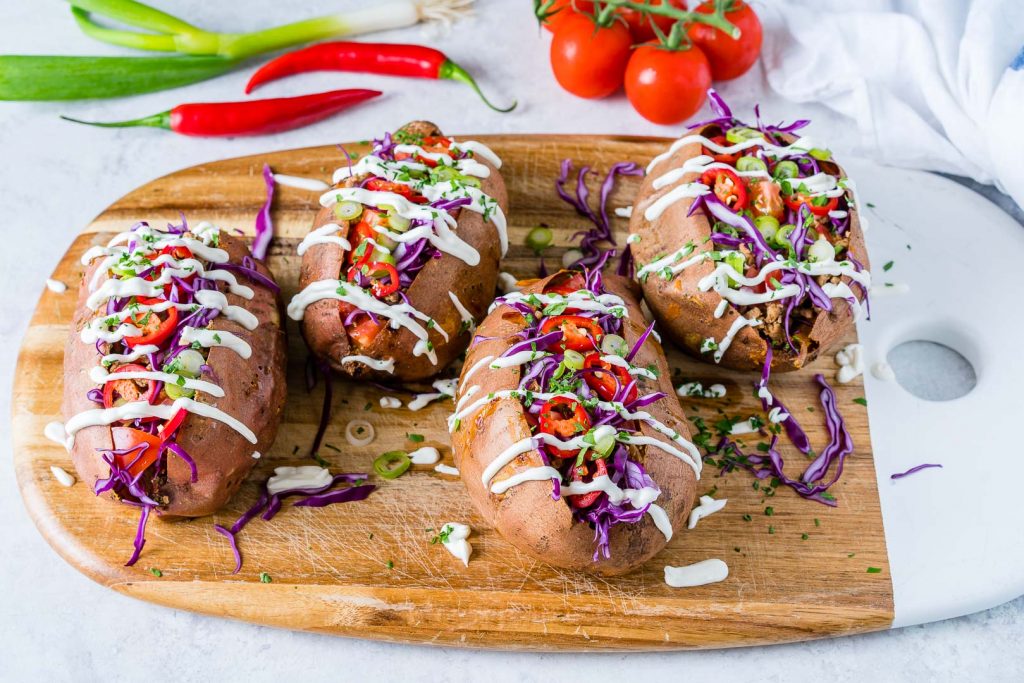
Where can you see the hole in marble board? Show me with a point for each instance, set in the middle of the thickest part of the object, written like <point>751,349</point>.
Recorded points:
<point>932,371</point>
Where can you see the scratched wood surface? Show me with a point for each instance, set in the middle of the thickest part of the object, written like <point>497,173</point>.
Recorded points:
<point>368,569</point>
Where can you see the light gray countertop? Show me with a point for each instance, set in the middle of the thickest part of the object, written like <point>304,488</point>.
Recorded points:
<point>57,625</point>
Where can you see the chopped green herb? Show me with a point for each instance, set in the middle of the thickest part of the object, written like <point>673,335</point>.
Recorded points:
<point>320,461</point>
<point>415,438</point>
<point>333,448</point>
<point>817,522</point>
<point>769,511</point>
<point>367,406</point>
<point>888,266</point>
<point>860,400</point>
<point>442,537</point>
<point>804,537</point>
<point>852,555</point>
<point>827,496</point>
<point>870,205</point>
<point>391,564</point>
<point>265,578</point>
<point>771,529</point>
<point>747,518</point>
<point>874,570</point>
<point>156,572</point>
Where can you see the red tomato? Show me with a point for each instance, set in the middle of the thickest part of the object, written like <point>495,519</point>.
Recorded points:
<point>794,201</point>
<point>766,197</point>
<point>667,86</point>
<point>640,26</point>
<point>587,60</point>
<point>559,10</point>
<point>586,472</point>
<point>723,158</point>
<point>566,283</point>
<point>729,57</point>
<point>380,185</point>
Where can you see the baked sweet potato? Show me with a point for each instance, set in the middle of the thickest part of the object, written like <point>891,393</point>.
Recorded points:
<point>566,428</point>
<point>204,384</point>
<point>751,215</point>
<point>390,292</point>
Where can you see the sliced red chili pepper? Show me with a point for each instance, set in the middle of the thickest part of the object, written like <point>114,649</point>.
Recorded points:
<point>381,271</point>
<point>795,200</point>
<point>600,469</point>
<point>155,330</point>
<point>172,425</point>
<point>180,253</point>
<point>578,333</point>
<point>603,382</point>
<point>727,186</point>
<point>119,391</point>
<point>565,418</point>
<point>358,235</point>
<point>771,281</point>
<point>136,461</point>
<point>380,185</point>
<point>723,158</point>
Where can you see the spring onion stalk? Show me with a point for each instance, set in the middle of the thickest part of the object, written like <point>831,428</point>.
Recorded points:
<point>166,32</point>
<point>32,77</point>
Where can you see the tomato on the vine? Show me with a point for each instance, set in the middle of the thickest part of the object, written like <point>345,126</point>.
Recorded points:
<point>640,25</point>
<point>559,10</point>
<point>729,57</point>
<point>667,86</point>
<point>589,60</point>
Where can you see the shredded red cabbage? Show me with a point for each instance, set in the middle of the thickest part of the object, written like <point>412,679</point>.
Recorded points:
<point>264,224</point>
<point>913,470</point>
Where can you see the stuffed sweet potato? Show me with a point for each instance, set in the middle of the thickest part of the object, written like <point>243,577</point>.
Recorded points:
<point>565,430</point>
<point>745,237</point>
<point>174,369</point>
<point>403,258</point>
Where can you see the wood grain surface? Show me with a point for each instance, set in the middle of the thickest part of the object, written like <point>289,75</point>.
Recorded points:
<point>330,567</point>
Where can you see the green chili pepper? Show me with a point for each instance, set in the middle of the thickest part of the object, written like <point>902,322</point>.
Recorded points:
<point>29,77</point>
<point>392,464</point>
<point>539,239</point>
<point>741,134</point>
<point>767,225</point>
<point>821,154</point>
<point>786,169</point>
<point>749,163</point>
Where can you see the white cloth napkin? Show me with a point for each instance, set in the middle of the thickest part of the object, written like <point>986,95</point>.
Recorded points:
<point>927,84</point>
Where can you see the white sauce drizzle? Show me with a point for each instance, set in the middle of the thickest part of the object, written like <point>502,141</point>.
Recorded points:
<point>624,212</point>
<point>54,431</point>
<point>467,318</point>
<point>325,234</point>
<point>508,283</point>
<point>300,183</point>
<point>883,371</point>
<point>390,402</point>
<point>380,364</point>
<point>135,354</point>
<point>62,477</point>
<point>734,329</point>
<point>850,360</point>
<point>426,455</point>
<point>446,469</point>
<point>99,375</point>
<point>56,286</point>
<point>211,338</point>
<point>135,409</point>
<point>697,390</point>
<point>699,574</point>
<point>454,537</point>
<point>661,520</point>
<point>708,506</point>
<point>517,359</point>
<point>302,477</point>
<point>748,426</point>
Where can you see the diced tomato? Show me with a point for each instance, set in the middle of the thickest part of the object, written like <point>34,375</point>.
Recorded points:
<point>585,473</point>
<point>380,185</point>
<point>435,144</point>
<point>602,380</point>
<point>766,199</point>
<point>566,285</point>
<point>118,391</point>
<point>578,333</point>
<point>771,281</point>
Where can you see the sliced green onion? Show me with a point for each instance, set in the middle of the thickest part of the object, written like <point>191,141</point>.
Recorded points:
<point>749,163</point>
<point>820,154</point>
<point>741,134</point>
<point>190,363</point>
<point>392,464</point>
<point>348,211</point>
<point>605,445</point>
<point>781,238</point>
<point>573,359</point>
<point>767,226</point>
<point>539,238</point>
<point>614,345</point>
<point>786,169</point>
<point>398,223</point>
<point>175,392</point>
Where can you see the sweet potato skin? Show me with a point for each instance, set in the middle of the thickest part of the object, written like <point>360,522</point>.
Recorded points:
<point>686,314</point>
<point>526,515</point>
<point>254,391</point>
<point>323,326</point>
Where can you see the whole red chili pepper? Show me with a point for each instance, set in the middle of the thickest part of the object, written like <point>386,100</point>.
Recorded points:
<point>389,59</point>
<point>255,117</point>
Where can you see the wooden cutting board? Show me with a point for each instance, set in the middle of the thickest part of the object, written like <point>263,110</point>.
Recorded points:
<point>368,569</point>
